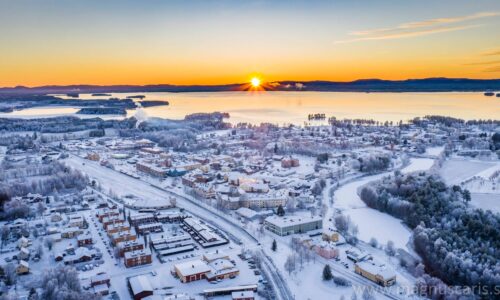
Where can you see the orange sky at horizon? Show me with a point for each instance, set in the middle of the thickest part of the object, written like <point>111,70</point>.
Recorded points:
<point>225,42</point>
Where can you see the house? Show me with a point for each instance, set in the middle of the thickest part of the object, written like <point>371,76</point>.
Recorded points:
<point>100,279</point>
<point>93,156</point>
<point>84,240</point>
<point>129,246</point>
<point>151,227</point>
<point>357,255</point>
<point>330,235</point>
<point>326,250</point>
<point>289,162</point>
<point>101,289</point>
<point>137,258</point>
<point>76,221</point>
<point>24,254</point>
<point>221,268</point>
<point>81,255</point>
<point>243,295</point>
<point>70,232</point>
<point>141,218</point>
<point>378,274</point>
<point>23,242</point>
<point>23,267</point>
<point>170,217</point>
<point>112,220</point>
<point>123,236</point>
<point>55,217</point>
<point>191,270</point>
<point>107,212</point>
<point>140,287</point>
<point>117,227</point>
<point>290,225</point>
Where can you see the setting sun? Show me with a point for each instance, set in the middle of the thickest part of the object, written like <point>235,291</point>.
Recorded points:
<point>255,82</point>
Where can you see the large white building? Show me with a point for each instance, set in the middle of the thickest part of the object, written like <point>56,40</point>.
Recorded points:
<point>291,225</point>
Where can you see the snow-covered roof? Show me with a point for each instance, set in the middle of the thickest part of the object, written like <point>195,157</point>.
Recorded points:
<point>242,295</point>
<point>192,267</point>
<point>246,212</point>
<point>139,284</point>
<point>382,271</point>
<point>291,220</point>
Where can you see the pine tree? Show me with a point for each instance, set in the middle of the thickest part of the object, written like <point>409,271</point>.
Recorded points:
<point>274,246</point>
<point>280,212</point>
<point>327,273</point>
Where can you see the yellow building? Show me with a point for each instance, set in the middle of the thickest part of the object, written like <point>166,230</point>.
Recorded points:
<point>378,274</point>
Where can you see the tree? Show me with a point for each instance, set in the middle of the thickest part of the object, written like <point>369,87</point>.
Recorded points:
<point>4,233</point>
<point>341,223</point>
<point>322,158</point>
<point>280,211</point>
<point>290,264</point>
<point>466,196</point>
<point>389,249</point>
<point>368,294</point>
<point>49,242</point>
<point>327,273</point>
<point>33,294</point>
<point>10,274</point>
<point>341,281</point>
<point>373,242</point>
<point>62,283</point>
<point>274,246</point>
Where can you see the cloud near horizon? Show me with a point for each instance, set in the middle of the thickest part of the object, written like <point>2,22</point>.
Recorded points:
<point>419,28</point>
<point>491,52</point>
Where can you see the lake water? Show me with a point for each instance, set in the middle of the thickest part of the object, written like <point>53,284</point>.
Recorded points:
<point>293,107</point>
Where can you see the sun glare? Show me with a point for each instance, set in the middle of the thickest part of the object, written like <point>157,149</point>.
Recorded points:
<point>255,82</point>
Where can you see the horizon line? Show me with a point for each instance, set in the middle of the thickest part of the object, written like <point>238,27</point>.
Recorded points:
<point>20,86</point>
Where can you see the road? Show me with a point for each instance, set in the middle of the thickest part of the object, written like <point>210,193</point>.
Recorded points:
<point>122,184</point>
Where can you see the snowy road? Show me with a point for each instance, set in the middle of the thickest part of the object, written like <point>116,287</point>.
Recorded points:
<point>122,184</point>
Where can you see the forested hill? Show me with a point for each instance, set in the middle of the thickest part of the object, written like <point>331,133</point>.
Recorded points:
<point>364,85</point>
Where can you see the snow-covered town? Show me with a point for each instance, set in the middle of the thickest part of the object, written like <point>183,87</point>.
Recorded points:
<point>201,209</point>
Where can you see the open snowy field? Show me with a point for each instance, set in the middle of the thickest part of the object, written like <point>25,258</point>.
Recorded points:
<point>370,222</point>
<point>486,201</point>
<point>456,170</point>
<point>418,164</point>
<point>434,151</point>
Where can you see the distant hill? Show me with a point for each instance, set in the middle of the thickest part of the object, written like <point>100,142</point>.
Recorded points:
<point>364,85</point>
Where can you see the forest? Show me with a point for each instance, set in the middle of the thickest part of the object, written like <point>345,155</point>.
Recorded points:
<point>458,244</point>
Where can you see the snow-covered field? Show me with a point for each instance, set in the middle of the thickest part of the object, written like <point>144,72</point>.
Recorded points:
<point>481,178</point>
<point>370,222</point>
<point>434,151</point>
<point>457,170</point>
<point>486,201</point>
<point>418,164</point>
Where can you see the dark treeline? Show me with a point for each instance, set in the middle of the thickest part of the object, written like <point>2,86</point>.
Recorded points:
<point>458,244</point>
<point>450,121</point>
<point>63,124</point>
<point>11,102</point>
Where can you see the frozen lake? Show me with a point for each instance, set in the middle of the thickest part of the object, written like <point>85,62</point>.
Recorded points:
<point>293,107</point>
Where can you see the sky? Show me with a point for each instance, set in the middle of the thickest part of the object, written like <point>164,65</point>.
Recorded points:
<point>45,42</point>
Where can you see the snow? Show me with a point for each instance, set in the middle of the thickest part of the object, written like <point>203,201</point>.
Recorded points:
<point>434,151</point>
<point>418,164</point>
<point>456,170</point>
<point>486,201</point>
<point>488,173</point>
<point>370,222</point>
